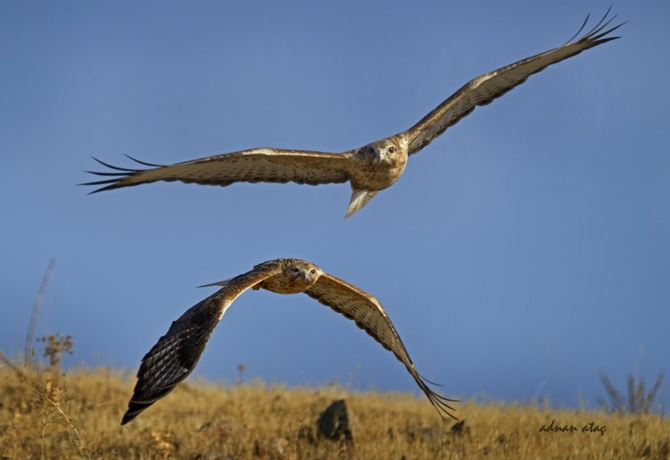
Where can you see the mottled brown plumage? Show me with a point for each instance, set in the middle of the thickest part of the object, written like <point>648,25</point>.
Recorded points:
<point>175,355</point>
<point>369,169</point>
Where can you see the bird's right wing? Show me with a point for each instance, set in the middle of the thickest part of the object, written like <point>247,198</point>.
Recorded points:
<point>176,354</point>
<point>255,165</point>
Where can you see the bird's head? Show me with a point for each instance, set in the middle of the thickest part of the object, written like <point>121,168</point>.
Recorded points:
<point>301,272</point>
<point>383,151</point>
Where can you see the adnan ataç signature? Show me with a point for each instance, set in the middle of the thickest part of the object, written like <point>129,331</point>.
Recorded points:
<point>591,427</point>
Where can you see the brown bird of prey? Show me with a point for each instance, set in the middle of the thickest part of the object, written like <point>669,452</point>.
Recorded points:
<point>371,168</point>
<point>176,354</point>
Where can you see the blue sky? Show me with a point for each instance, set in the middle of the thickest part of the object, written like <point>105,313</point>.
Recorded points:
<point>521,252</point>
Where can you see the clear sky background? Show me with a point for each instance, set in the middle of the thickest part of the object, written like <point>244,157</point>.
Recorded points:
<point>520,254</point>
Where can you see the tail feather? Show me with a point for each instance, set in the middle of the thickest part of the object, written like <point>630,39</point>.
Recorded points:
<point>359,198</point>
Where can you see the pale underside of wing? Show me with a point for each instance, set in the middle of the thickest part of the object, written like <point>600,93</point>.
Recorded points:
<point>485,88</point>
<point>369,315</point>
<point>256,165</point>
<point>176,354</point>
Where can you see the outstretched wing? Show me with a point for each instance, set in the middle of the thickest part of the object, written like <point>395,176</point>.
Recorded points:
<point>369,315</point>
<point>256,165</point>
<point>176,354</point>
<point>485,88</point>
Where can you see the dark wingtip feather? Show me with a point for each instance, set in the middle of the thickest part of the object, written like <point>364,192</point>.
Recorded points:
<point>600,24</point>
<point>134,409</point>
<point>96,190</point>
<point>111,184</point>
<point>596,34</point>
<point>98,173</point>
<point>608,31</point>
<point>115,167</point>
<point>580,29</point>
<point>432,383</point>
<point>153,165</point>
<point>441,403</point>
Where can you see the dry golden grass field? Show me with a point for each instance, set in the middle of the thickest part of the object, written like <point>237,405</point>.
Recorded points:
<point>51,415</point>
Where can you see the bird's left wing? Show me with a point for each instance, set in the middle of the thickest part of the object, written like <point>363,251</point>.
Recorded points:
<point>485,88</point>
<point>369,315</point>
<point>255,165</point>
<point>176,354</point>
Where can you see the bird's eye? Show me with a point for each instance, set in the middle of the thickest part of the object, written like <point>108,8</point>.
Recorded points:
<point>295,270</point>
<point>312,271</point>
<point>391,150</point>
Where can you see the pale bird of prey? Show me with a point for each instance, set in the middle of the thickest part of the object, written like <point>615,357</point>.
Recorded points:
<point>176,354</point>
<point>371,168</point>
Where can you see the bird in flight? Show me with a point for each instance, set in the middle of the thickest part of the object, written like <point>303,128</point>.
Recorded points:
<point>369,169</point>
<point>176,354</point>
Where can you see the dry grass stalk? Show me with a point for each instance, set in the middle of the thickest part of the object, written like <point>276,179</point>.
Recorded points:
<point>36,309</point>
<point>636,402</point>
<point>52,394</point>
